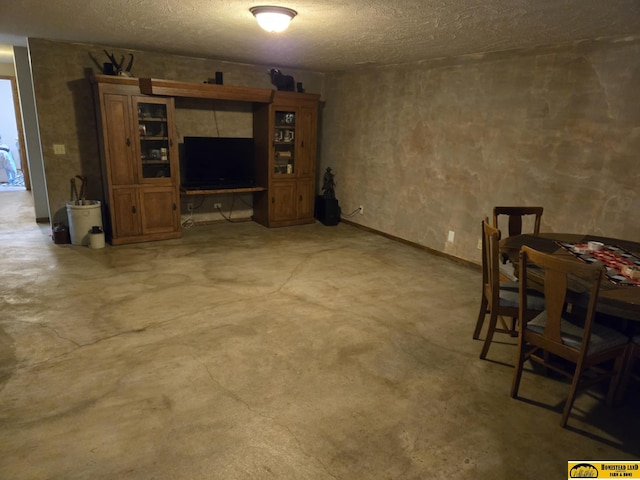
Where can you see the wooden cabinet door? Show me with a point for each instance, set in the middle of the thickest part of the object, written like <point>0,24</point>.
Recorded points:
<point>125,213</point>
<point>306,198</point>
<point>159,210</point>
<point>157,161</point>
<point>307,142</point>
<point>283,201</point>
<point>119,144</point>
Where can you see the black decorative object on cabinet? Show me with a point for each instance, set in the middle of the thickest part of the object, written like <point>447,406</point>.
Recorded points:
<point>282,82</point>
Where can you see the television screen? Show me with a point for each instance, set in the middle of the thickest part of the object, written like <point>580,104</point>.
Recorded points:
<point>217,163</point>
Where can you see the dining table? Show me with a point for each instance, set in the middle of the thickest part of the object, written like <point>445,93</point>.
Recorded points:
<point>619,294</point>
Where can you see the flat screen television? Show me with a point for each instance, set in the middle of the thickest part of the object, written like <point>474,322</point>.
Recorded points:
<point>214,163</point>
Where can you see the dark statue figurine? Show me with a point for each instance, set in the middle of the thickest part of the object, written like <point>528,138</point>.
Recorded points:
<point>327,209</point>
<point>282,82</point>
<point>328,184</point>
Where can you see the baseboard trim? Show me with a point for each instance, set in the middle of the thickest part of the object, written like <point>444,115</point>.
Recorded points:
<point>438,253</point>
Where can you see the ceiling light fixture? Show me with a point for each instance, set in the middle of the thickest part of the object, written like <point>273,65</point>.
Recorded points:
<point>273,19</point>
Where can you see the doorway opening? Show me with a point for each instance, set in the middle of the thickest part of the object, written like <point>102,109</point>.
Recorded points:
<point>14,174</point>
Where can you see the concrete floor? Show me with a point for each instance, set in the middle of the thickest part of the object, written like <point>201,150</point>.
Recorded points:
<point>240,352</point>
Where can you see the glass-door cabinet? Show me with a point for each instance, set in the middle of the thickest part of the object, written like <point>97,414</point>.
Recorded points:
<point>284,142</point>
<point>155,138</point>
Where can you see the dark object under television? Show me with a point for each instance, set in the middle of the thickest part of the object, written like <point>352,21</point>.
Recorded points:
<point>217,163</point>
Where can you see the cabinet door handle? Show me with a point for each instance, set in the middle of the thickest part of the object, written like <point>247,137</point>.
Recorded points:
<point>133,209</point>
<point>170,142</point>
<point>128,142</point>
<point>302,144</point>
<point>300,198</point>
<point>175,207</point>
<point>273,199</point>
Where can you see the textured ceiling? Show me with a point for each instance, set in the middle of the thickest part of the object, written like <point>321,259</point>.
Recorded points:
<point>326,35</point>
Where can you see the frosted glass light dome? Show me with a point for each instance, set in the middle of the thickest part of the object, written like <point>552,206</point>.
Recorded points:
<point>273,19</point>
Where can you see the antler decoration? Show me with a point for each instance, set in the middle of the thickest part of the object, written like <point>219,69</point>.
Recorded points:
<point>128,69</point>
<point>98,64</point>
<point>117,66</point>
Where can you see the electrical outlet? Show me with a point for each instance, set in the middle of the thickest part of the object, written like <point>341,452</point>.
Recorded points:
<point>217,205</point>
<point>190,207</point>
<point>479,244</point>
<point>451,237</point>
<point>361,210</point>
<point>59,149</point>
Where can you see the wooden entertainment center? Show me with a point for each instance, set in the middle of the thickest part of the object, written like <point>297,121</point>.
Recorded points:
<point>139,151</point>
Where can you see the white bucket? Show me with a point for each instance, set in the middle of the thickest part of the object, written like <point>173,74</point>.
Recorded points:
<point>81,219</point>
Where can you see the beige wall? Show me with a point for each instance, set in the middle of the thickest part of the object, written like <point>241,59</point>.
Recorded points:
<point>7,69</point>
<point>66,112</point>
<point>431,147</point>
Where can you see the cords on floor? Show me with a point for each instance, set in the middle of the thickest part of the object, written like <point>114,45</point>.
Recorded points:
<point>188,223</point>
<point>349,215</point>
<point>228,219</point>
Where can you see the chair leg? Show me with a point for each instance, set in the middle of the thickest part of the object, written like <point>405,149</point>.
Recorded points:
<point>517,372</point>
<point>493,319</point>
<point>547,361</point>
<point>483,312</point>
<point>572,396</point>
<point>514,327</point>
<point>623,379</point>
<point>614,385</point>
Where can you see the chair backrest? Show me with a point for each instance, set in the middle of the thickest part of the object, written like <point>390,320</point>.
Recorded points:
<point>560,278</point>
<point>515,215</point>
<point>490,260</point>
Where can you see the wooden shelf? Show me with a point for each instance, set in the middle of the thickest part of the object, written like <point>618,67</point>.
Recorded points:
<point>113,79</point>
<point>221,191</point>
<point>171,88</point>
<point>153,161</point>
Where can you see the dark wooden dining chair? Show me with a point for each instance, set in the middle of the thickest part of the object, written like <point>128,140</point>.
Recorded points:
<point>499,299</point>
<point>515,218</point>
<point>628,373</point>
<point>579,341</point>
